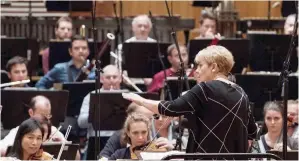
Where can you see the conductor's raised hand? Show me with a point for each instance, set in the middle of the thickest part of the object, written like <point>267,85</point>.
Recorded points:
<point>134,98</point>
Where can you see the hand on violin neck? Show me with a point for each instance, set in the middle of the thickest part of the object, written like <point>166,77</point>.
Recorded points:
<point>162,142</point>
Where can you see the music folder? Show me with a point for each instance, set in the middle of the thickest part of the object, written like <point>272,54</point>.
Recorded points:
<point>15,103</point>
<point>112,109</point>
<point>141,59</point>
<point>173,84</point>
<point>59,53</point>
<point>238,47</point>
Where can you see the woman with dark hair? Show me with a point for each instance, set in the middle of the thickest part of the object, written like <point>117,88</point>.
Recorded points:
<point>271,137</point>
<point>28,141</point>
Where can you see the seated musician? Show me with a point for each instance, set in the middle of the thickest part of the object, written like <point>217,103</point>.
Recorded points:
<point>289,24</point>
<point>141,27</point>
<point>63,31</point>
<point>174,60</point>
<point>293,131</point>
<point>17,70</point>
<point>68,71</point>
<point>273,123</point>
<point>28,141</point>
<point>39,105</point>
<point>208,25</point>
<point>137,133</point>
<point>164,130</point>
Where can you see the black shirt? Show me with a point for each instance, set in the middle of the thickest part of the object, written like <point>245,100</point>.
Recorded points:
<point>220,120</point>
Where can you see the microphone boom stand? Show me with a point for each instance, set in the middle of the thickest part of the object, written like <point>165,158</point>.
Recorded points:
<point>284,83</point>
<point>181,78</point>
<point>167,88</point>
<point>97,84</point>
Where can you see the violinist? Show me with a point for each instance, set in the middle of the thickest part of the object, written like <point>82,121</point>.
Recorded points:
<point>39,105</point>
<point>293,108</point>
<point>173,58</point>
<point>28,141</point>
<point>68,71</point>
<point>226,131</point>
<point>273,123</point>
<point>136,132</point>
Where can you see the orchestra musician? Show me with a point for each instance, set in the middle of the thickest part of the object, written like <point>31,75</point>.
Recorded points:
<point>63,31</point>
<point>159,128</point>
<point>111,81</point>
<point>208,25</point>
<point>273,123</point>
<point>68,71</point>
<point>293,131</point>
<point>289,24</point>
<point>39,105</point>
<point>226,131</point>
<point>173,58</point>
<point>136,132</point>
<point>28,141</point>
<point>17,70</point>
<point>141,27</point>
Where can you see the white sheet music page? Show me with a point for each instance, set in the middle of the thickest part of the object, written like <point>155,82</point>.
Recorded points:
<point>158,155</point>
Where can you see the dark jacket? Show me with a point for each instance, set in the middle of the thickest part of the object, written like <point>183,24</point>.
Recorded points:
<point>123,153</point>
<point>112,145</point>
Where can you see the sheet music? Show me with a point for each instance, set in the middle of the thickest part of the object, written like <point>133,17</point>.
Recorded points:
<point>158,155</point>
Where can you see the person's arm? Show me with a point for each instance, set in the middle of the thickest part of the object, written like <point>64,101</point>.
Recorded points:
<point>184,104</point>
<point>8,140</point>
<point>84,112</point>
<point>49,79</point>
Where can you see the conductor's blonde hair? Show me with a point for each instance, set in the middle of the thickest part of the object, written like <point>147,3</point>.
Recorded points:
<point>219,55</point>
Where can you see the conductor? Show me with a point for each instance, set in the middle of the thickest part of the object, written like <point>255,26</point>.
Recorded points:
<point>218,112</point>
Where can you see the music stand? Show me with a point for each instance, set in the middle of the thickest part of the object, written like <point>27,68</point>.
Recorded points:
<point>173,83</point>
<point>263,88</point>
<point>113,109</point>
<point>69,151</point>
<point>141,58</point>
<point>19,46</point>
<point>59,53</point>
<point>77,92</point>
<point>15,105</point>
<point>238,47</point>
<point>268,51</point>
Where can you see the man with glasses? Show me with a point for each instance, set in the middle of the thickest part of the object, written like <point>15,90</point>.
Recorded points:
<point>39,105</point>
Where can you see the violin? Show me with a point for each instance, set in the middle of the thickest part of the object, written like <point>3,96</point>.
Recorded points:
<point>41,155</point>
<point>149,146</point>
<point>291,121</point>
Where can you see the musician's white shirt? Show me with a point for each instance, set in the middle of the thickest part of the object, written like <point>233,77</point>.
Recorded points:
<point>10,137</point>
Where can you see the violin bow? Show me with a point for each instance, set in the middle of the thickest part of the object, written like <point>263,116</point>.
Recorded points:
<point>64,141</point>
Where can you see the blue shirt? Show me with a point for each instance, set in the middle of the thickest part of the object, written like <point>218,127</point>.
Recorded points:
<point>61,73</point>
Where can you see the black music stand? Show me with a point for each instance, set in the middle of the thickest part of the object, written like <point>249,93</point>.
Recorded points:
<point>268,52</point>
<point>59,53</point>
<point>263,88</point>
<point>238,47</point>
<point>77,92</point>
<point>19,46</point>
<point>141,58</point>
<point>173,85</point>
<point>113,114</point>
<point>113,109</point>
<point>15,105</point>
<point>69,152</point>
